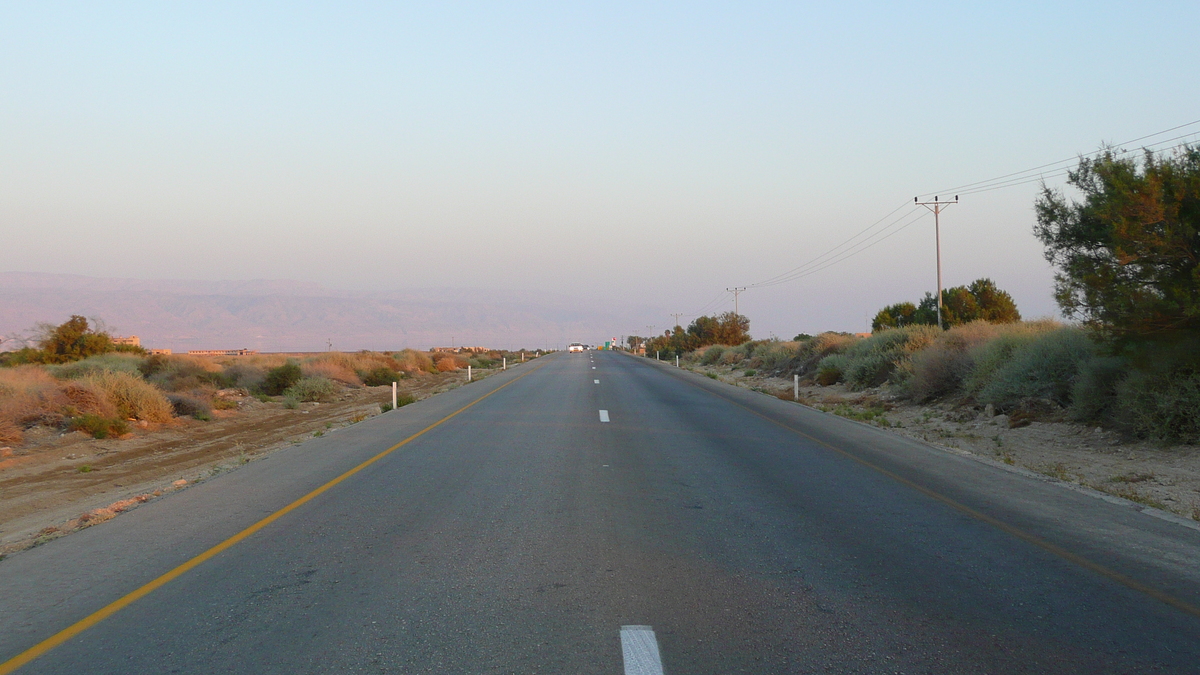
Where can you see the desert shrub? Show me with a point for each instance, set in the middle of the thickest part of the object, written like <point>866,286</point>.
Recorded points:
<point>86,398</point>
<point>380,376</point>
<point>732,356</point>
<point>102,363</point>
<point>941,368</point>
<point>312,389</point>
<point>291,403</point>
<point>329,369</point>
<point>712,354</point>
<point>279,379</point>
<point>1162,404</point>
<point>1094,394</point>
<point>773,355</point>
<point>989,356</point>
<point>831,369</point>
<point>132,396</point>
<point>810,353</point>
<point>246,375</point>
<point>1042,367</point>
<point>182,373</point>
<point>99,427</point>
<point>188,405</point>
<point>445,363</point>
<point>412,361</point>
<point>10,433</point>
<point>405,399</point>
<point>221,403</point>
<point>885,356</point>
<point>29,395</point>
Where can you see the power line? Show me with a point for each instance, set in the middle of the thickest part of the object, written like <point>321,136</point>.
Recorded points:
<point>853,246</point>
<point>1021,175</point>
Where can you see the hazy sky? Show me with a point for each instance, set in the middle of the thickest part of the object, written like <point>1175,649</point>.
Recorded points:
<point>650,153</point>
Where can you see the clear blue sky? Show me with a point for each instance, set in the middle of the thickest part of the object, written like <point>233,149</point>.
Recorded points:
<point>655,153</point>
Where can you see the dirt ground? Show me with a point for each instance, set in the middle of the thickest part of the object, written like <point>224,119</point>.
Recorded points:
<point>1162,477</point>
<point>56,483</point>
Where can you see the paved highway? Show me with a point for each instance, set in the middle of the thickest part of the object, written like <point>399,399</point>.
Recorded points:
<point>600,513</point>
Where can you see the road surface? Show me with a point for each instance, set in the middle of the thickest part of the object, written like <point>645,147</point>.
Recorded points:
<point>601,513</point>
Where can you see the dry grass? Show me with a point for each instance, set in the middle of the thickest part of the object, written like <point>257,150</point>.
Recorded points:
<point>132,396</point>
<point>29,395</point>
<point>330,370</point>
<point>411,361</point>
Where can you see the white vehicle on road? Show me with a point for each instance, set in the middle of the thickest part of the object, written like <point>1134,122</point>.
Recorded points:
<point>575,347</point>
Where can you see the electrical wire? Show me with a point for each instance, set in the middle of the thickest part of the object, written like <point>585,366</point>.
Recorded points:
<point>852,246</point>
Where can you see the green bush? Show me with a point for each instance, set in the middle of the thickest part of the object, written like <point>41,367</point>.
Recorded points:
<point>1163,405</point>
<point>712,355</point>
<point>99,427</point>
<point>102,363</point>
<point>379,377</point>
<point>941,368</point>
<point>1094,395</point>
<point>885,356</point>
<point>319,389</point>
<point>773,355</point>
<point>832,369</point>
<point>405,399</point>
<point>279,380</point>
<point>1044,367</point>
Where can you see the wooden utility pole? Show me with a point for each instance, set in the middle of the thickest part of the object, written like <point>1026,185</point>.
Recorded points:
<point>937,207</point>
<point>736,290</point>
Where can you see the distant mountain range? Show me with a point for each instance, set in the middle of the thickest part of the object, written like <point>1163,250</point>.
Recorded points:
<point>281,315</point>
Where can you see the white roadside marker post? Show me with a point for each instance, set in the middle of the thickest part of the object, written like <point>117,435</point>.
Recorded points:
<point>468,373</point>
<point>796,387</point>
<point>522,357</point>
<point>503,363</point>
<point>393,396</point>
<point>676,360</point>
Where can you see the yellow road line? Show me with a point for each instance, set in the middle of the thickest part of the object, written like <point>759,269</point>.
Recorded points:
<point>117,605</point>
<point>1055,549</point>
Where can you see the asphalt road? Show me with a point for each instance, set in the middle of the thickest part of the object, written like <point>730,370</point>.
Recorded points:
<point>523,533</point>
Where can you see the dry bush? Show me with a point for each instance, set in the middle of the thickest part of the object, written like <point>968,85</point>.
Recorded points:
<point>30,395</point>
<point>732,357</point>
<point>183,372</point>
<point>88,400</point>
<point>132,396</point>
<point>10,432</point>
<point>941,368</point>
<point>445,362</point>
<point>411,361</point>
<point>262,361</point>
<point>772,355</point>
<point>331,370</point>
<point>809,353</point>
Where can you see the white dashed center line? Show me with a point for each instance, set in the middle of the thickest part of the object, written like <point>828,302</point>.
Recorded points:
<point>603,415</point>
<point>596,381</point>
<point>640,649</point>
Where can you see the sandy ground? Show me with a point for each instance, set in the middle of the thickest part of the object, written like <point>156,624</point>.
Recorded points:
<point>56,483</point>
<point>1162,477</point>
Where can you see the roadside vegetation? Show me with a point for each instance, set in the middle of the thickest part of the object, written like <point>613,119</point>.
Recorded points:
<point>76,379</point>
<point>1127,254</point>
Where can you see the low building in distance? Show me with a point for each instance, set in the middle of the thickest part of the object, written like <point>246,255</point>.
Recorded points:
<point>222,352</point>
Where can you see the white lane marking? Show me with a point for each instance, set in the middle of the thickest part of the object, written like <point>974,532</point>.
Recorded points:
<point>640,649</point>
<point>603,415</point>
<point>593,367</point>
<point>596,381</point>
